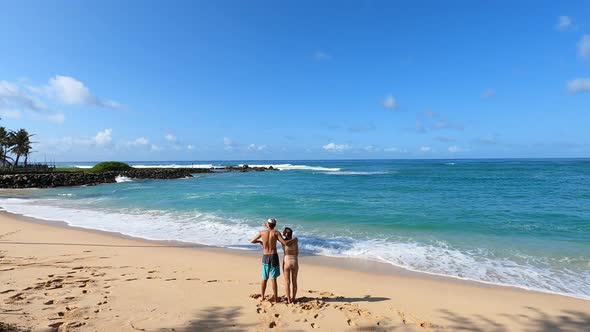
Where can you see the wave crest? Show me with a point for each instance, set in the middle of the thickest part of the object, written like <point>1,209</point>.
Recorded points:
<point>203,228</point>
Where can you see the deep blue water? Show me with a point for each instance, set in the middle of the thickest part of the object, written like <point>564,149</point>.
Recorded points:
<point>515,222</point>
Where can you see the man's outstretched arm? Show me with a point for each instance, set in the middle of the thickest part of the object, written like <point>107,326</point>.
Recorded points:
<point>281,239</point>
<point>256,239</point>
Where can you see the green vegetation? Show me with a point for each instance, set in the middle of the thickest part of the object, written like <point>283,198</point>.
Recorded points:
<point>67,169</point>
<point>109,166</point>
<point>18,143</point>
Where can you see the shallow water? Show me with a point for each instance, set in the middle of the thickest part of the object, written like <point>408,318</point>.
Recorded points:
<point>524,223</point>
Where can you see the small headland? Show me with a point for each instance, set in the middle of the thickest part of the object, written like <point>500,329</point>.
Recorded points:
<point>106,172</point>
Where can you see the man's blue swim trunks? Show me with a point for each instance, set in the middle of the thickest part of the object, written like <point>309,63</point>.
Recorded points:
<point>270,266</point>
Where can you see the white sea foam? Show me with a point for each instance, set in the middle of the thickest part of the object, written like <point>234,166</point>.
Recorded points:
<point>355,173</point>
<point>287,167</point>
<point>205,228</point>
<point>192,227</point>
<point>175,166</point>
<point>121,178</point>
<point>282,167</point>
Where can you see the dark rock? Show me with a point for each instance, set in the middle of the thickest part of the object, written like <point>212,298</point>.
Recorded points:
<point>61,179</point>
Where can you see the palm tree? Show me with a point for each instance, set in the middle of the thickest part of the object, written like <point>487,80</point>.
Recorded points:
<point>20,145</point>
<point>4,145</point>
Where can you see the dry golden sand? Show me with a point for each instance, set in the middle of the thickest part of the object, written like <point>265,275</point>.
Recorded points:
<point>58,278</point>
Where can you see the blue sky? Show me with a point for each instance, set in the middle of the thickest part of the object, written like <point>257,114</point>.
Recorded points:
<point>195,80</point>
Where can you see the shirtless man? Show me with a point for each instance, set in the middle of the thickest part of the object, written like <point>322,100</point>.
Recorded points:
<point>270,258</point>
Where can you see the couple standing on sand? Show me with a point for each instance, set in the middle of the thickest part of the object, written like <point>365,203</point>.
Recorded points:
<point>270,259</point>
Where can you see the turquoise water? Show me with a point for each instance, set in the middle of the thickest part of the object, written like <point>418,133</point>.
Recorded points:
<point>524,223</point>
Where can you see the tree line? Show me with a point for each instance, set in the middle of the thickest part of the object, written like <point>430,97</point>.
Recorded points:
<point>13,146</point>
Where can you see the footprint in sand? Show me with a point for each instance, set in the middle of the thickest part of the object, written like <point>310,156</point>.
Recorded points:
<point>272,325</point>
<point>55,326</point>
<point>351,322</point>
<point>7,291</point>
<point>170,279</point>
<point>214,280</point>
<point>17,297</point>
<point>193,279</point>
<point>415,320</point>
<point>131,279</point>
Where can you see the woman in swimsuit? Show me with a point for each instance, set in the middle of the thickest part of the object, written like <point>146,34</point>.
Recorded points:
<point>290,264</point>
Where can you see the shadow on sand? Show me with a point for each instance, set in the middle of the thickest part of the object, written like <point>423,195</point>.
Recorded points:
<point>535,320</point>
<point>216,319</point>
<point>343,299</point>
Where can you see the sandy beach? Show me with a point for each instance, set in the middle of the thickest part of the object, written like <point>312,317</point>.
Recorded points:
<point>55,277</point>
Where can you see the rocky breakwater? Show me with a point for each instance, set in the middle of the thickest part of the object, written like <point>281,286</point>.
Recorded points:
<point>80,178</point>
<point>246,168</point>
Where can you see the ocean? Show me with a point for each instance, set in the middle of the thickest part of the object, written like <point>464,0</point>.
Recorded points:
<point>523,223</point>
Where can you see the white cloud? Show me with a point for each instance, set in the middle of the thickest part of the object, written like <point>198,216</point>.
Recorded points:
<point>57,117</point>
<point>190,147</point>
<point>579,85</point>
<point>445,139</point>
<point>154,147</point>
<point>487,140</point>
<point>393,149</point>
<point>333,147</point>
<point>564,23</point>
<point>228,144</point>
<point>254,147</point>
<point>425,149</point>
<point>140,141</point>
<point>584,46</point>
<point>430,114</point>
<point>227,141</point>
<point>455,149</point>
<point>321,56</point>
<point>103,137</point>
<point>389,102</point>
<point>12,94</point>
<point>372,148</point>
<point>9,114</point>
<point>170,138</point>
<point>447,125</point>
<point>362,128</point>
<point>70,91</point>
<point>488,93</point>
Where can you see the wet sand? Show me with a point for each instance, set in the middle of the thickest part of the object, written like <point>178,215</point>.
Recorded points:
<point>54,277</point>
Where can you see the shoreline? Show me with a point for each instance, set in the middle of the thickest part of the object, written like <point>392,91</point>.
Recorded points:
<point>347,263</point>
<point>56,275</point>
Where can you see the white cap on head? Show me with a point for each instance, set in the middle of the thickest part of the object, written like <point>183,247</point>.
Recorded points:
<point>272,221</point>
